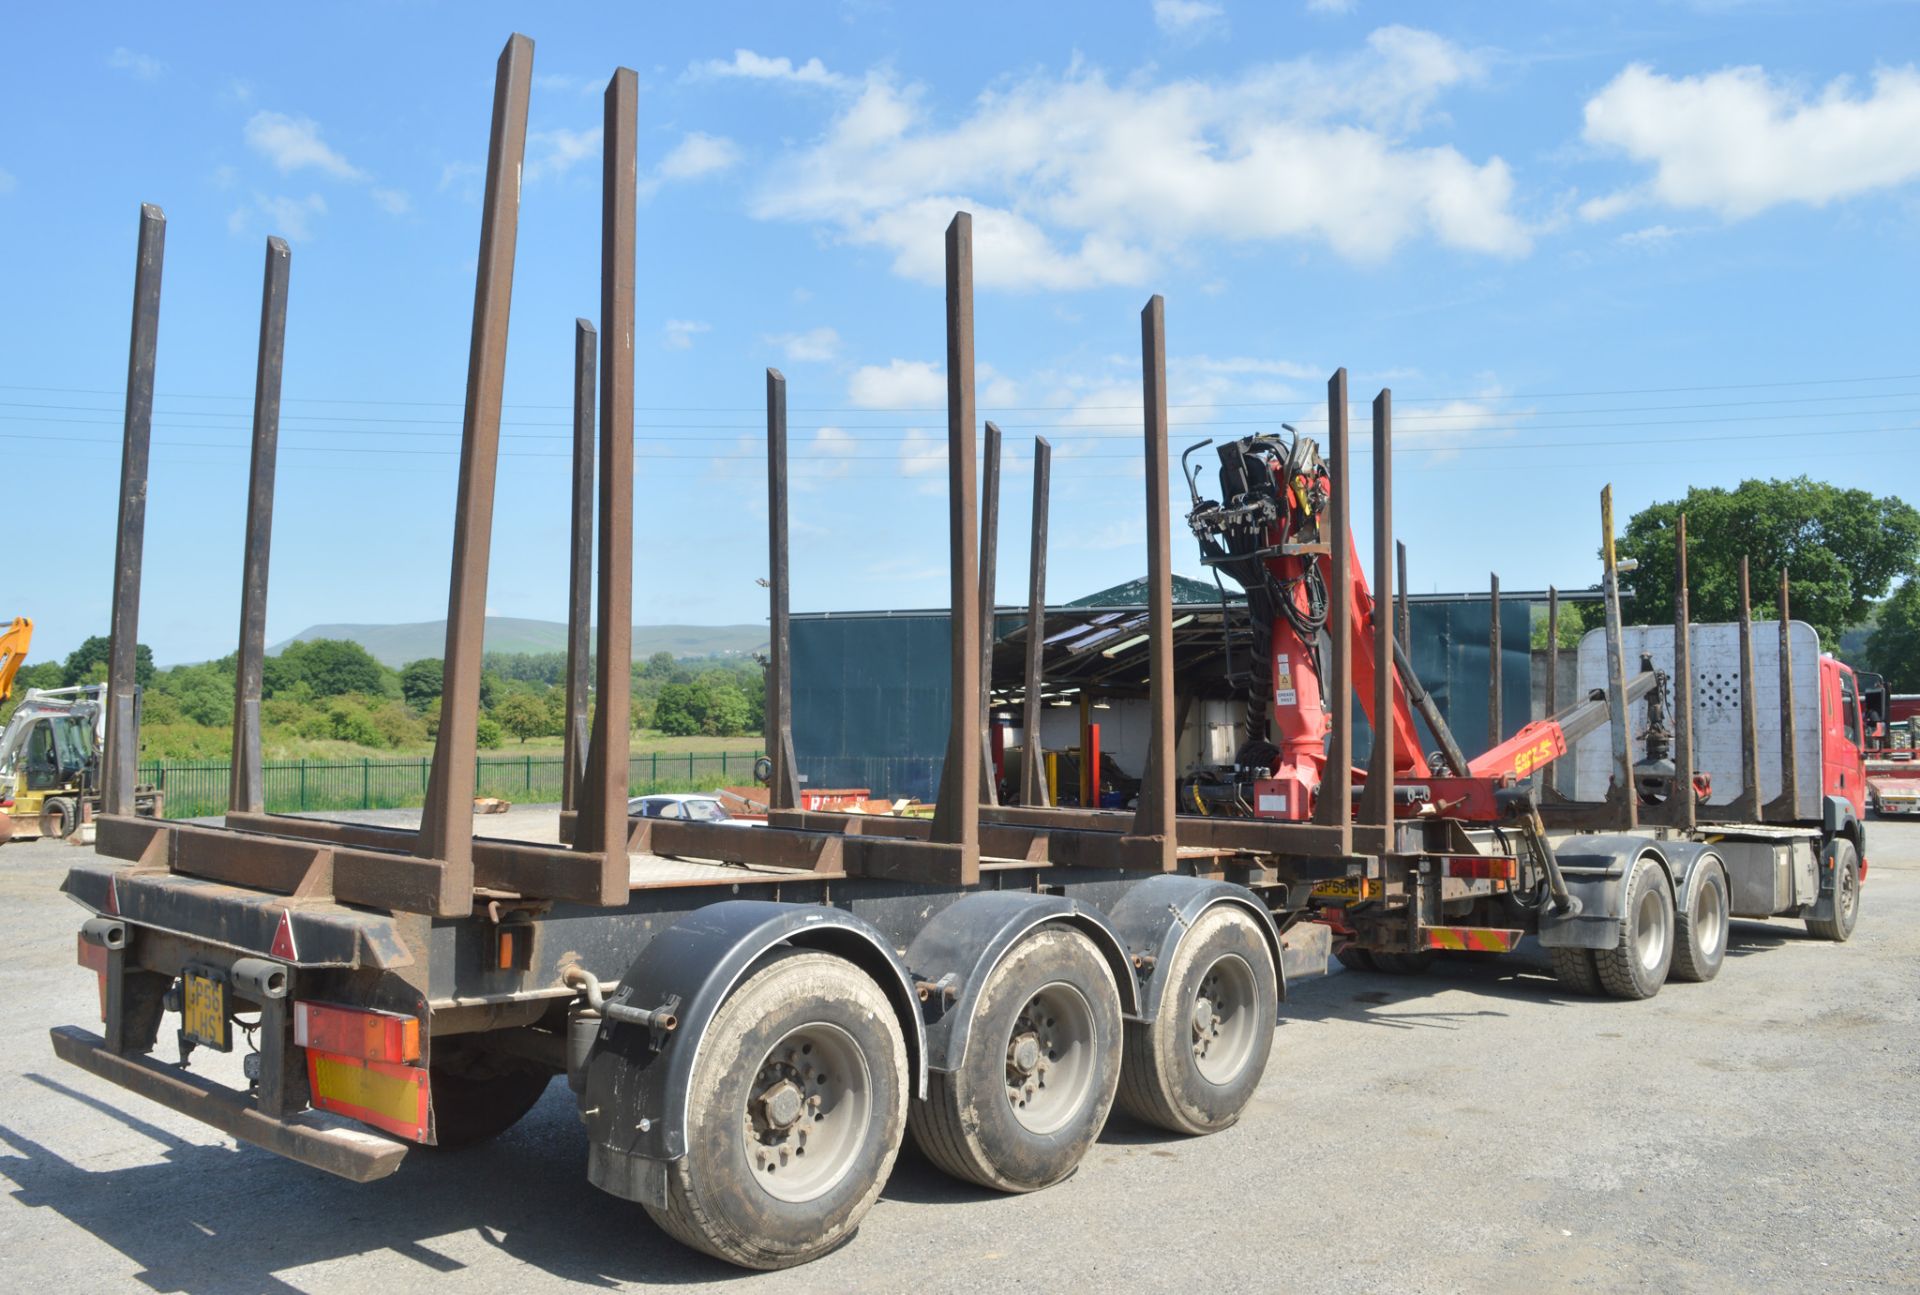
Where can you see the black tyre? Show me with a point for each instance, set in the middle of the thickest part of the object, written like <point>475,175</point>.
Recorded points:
<point>1700,932</point>
<point>1637,966</point>
<point>1041,1066</point>
<point>798,1101</point>
<point>58,817</point>
<point>476,1098</point>
<point>1844,861</point>
<point>1403,964</point>
<point>1195,1066</point>
<point>1355,958</point>
<point>1574,968</point>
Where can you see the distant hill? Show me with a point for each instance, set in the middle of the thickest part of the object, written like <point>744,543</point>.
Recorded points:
<point>395,645</point>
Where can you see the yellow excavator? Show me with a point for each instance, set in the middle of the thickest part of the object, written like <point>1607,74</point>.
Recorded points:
<point>50,751</point>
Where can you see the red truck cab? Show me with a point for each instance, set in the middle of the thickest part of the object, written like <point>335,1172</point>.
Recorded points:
<point>1843,763</point>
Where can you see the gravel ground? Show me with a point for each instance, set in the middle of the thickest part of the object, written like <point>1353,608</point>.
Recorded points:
<point>1468,1129</point>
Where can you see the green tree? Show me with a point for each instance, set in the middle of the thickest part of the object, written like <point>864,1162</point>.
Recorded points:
<point>1573,623</point>
<point>332,667</point>
<point>422,680</point>
<point>88,662</point>
<point>486,733</point>
<point>1842,548</point>
<point>1893,649</point>
<point>522,715</point>
<point>678,710</point>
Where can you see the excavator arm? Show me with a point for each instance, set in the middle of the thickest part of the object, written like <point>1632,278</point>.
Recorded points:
<point>13,652</point>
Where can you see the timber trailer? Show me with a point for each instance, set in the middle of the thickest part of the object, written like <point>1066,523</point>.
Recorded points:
<point>751,1021</point>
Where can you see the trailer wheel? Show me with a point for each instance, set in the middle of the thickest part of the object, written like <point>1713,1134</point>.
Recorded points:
<point>1194,1067</point>
<point>1403,964</point>
<point>474,1103</point>
<point>1845,861</point>
<point>1637,966</point>
<point>797,1102</point>
<point>1700,933</point>
<point>1040,1070</point>
<point>1355,958</point>
<point>57,818</point>
<point>1574,968</point>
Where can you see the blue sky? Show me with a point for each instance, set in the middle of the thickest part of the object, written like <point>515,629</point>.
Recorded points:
<point>1663,245</point>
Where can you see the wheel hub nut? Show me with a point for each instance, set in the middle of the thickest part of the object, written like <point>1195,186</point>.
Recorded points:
<point>1202,1015</point>
<point>1024,1054</point>
<point>783,1103</point>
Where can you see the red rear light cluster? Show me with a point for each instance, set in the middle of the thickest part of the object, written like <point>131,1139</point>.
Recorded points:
<point>1483,867</point>
<point>365,1065</point>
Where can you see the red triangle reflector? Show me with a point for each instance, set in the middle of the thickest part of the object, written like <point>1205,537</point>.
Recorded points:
<point>113,896</point>
<point>283,938</point>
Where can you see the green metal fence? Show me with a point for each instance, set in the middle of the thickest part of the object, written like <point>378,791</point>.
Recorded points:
<point>198,788</point>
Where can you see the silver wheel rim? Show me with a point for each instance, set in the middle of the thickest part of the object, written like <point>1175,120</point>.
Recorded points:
<point>1222,1022</point>
<point>1709,919</point>
<point>1650,930</point>
<point>807,1112</point>
<point>1849,893</point>
<point>1050,1058</point>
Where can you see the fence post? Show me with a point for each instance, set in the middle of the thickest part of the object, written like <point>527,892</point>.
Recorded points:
<point>689,766</point>
<point>366,782</point>
<point>723,767</point>
<point>529,775</point>
<point>303,785</point>
<point>655,779</point>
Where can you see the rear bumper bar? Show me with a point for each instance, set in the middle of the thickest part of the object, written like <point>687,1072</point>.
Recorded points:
<point>348,1152</point>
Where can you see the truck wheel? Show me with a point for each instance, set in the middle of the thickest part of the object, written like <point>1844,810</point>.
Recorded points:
<point>1355,958</point>
<point>797,1102</point>
<point>483,1100</point>
<point>1574,968</point>
<point>1403,964</point>
<point>1637,966</point>
<point>1700,933</point>
<point>1194,1067</point>
<point>1845,861</point>
<point>1040,1070</point>
<point>57,817</point>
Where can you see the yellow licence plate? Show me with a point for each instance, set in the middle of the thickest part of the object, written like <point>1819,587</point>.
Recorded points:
<point>1354,888</point>
<point>203,1010</point>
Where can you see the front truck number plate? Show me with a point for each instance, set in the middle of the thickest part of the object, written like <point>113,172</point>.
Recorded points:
<point>203,1009</point>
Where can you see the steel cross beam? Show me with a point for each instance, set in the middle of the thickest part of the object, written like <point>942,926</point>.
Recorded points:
<point>1748,807</point>
<point>573,755</point>
<point>1782,806</point>
<point>1688,811</point>
<point>783,787</point>
<point>245,792</point>
<point>1335,807</point>
<point>446,823</point>
<point>1033,772</point>
<point>1377,804</point>
<point>1154,843</point>
<point>122,764</point>
<point>989,559</point>
<point>1495,735</point>
<point>956,818</point>
<point>602,825</point>
<point>1551,774</point>
<point>1622,794</point>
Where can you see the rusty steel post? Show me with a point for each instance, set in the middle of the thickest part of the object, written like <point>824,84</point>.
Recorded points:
<point>603,814</point>
<point>1789,748</point>
<point>573,753</point>
<point>1033,772</point>
<point>1682,685</point>
<point>989,558</point>
<point>1494,735</point>
<point>1552,772</point>
<point>1400,589</point>
<point>956,816</point>
<point>446,822</point>
<point>245,794</point>
<point>121,767</point>
<point>1749,805</point>
<point>1153,822</point>
<point>783,787</point>
<point>1377,803</point>
<point>1621,792</point>
<point>1335,807</point>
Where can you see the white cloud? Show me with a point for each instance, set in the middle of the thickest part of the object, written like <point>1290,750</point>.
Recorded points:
<point>145,67</point>
<point>758,67</point>
<point>1330,6</point>
<point>922,455</point>
<point>1186,17</point>
<point>899,384</point>
<point>680,333</point>
<point>831,455</point>
<point>291,218</point>
<point>294,143</point>
<point>555,152</point>
<point>814,346</point>
<point>1736,142</point>
<point>394,202</point>
<point>698,154</point>
<point>1077,181</point>
<point>569,83</point>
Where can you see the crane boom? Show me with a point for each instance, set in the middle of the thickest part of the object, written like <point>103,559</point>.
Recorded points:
<point>13,652</point>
